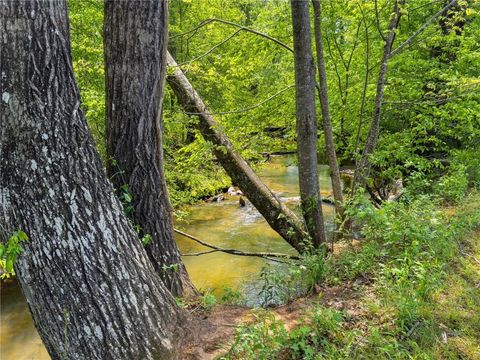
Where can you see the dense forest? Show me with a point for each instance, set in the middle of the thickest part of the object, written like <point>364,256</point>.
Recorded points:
<point>240,179</point>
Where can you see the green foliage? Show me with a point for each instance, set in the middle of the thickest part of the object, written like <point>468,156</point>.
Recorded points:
<point>9,251</point>
<point>320,332</point>
<point>126,198</point>
<point>417,297</point>
<point>282,283</point>
<point>469,159</point>
<point>146,239</point>
<point>261,339</point>
<point>172,267</point>
<point>208,301</point>
<point>427,119</point>
<point>454,185</point>
<point>86,22</point>
<point>231,297</point>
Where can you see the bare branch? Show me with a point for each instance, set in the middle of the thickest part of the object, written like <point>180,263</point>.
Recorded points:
<point>365,85</point>
<point>244,28</point>
<point>247,108</point>
<point>330,52</point>
<point>377,19</point>
<point>234,251</point>
<point>211,49</point>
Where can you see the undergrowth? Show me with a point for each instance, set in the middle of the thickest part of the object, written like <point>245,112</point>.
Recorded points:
<point>422,261</point>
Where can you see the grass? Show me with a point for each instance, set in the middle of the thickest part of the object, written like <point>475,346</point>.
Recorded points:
<point>421,282</point>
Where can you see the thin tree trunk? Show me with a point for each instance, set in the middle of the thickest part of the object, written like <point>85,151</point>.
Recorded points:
<point>306,122</point>
<point>91,289</point>
<point>280,218</point>
<point>327,122</point>
<point>135,33</point>
<point>364,93</point>
<point>363,168</point>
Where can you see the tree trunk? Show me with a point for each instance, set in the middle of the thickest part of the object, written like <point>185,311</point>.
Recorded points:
<point>306,122</point>
<point>363,168</point>
<point>327,122</point>
<point>280,218</point>
<point>135,36</point>
<point>91,289</point>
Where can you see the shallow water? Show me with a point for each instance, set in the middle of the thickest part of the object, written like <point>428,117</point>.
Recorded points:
<point>227,225</point>
<point>224,224</point>
<point>19,339</point>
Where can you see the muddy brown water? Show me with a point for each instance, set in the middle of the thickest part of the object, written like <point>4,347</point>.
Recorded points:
<point>224,224</point>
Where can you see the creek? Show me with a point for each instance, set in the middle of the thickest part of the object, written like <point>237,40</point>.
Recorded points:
<point>224,224</point>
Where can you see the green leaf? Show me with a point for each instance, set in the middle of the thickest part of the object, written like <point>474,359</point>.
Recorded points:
<point>9,265</point>
<point>22,236</point>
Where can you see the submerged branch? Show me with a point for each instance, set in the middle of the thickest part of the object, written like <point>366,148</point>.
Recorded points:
<point>233,251</point>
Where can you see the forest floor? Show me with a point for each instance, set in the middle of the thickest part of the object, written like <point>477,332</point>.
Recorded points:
<point>216,327</point>
<point>455,310</point>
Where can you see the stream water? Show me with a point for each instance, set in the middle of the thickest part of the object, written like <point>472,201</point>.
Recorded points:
<point>224,224</point>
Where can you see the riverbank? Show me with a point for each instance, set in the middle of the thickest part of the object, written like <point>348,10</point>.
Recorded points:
<point>409,291</point>
<point>409,288</point>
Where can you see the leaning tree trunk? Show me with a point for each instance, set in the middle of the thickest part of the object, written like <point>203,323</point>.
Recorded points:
<point>91,289</point>
<point>327,122</point>
<point>363,167</point>
<point>280,218</point>
<point>135,36</point>
<point>306,122</point>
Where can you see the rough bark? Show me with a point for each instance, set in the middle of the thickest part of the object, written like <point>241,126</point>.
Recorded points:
<point>306,122</point>
<point>363,168</point>
<point>135,36</point>
<point>91,289</point>
<point>324,103</point>
<point>280,218</point>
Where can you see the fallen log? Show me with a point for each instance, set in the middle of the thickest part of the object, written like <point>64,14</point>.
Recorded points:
<point>279,217</point>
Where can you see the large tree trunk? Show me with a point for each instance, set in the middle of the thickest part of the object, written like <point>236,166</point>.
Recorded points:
<point>91,289</point>
<point>306,122</point>
<point>327,122</point>
<point>135,36</point>
<point>363,167</point>
<point>280,218</point>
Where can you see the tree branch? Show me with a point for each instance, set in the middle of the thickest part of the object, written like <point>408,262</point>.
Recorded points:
<point>211,49</point>
<point>377,20</point>
<point>208,21</point>
<point>234,251</point>
<point>244,109</point>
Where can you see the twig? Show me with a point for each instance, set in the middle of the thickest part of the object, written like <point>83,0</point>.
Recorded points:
<point>211,49</point>
<point>247,108</point>
<point>208,21</point>
<point>471,257</point>
<point>377,18</point>
<point>265,255</point>
<point>200,253</point>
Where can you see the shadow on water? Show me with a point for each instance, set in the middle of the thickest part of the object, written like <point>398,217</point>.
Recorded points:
<point>224,224</point>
